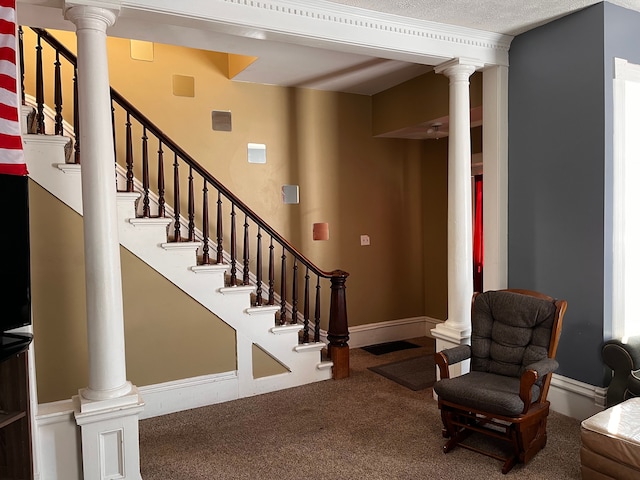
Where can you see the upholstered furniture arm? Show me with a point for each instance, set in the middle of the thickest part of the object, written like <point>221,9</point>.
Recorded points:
<point>531,374</point>
<point>620,355</point>
<point>622,358</point>
<point>451,356</point>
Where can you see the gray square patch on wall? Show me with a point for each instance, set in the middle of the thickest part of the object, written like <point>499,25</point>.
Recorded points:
<point>221,120</point>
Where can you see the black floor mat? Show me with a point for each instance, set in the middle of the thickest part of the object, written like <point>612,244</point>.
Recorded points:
<point>382,348</point>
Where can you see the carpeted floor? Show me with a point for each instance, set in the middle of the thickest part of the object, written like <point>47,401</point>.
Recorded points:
<point>364,427</point>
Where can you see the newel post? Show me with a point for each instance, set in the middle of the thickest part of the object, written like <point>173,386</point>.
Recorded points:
<point>338,332</point>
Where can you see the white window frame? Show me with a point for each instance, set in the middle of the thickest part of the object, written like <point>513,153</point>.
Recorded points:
<point>626,208</point>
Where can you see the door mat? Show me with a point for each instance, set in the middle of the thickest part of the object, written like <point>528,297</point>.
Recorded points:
<point>416,373</point>
<point>382,348</point>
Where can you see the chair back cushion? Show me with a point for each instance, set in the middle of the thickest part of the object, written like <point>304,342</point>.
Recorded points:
<point>509,331</point>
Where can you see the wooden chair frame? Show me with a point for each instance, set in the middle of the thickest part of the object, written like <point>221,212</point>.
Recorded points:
<point>527,432</point>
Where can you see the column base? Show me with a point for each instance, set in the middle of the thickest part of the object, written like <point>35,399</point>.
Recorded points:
<point>109,433</point>
<point>448,337</point>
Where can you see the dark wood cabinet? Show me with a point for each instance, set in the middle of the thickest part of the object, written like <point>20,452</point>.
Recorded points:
<point>15,419</point>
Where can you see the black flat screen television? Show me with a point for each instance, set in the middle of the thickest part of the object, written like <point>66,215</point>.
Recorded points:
<point>15,265</point>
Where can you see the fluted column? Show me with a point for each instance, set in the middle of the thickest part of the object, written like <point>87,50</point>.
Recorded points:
<point>456,329</point>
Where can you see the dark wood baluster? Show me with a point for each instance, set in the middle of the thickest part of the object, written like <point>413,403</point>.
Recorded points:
<point>294,293</point>
<point>39,89</point>
<point>57,96</point>
<point>233,246</point>
<point>176,200</point>
<point>316,327</point>
<point>283,288</point>
<point>129,158</point>
<point>146,210</point>
<point>76,117</point>
<point>191,208</point>
<point>21,53</point>
<point>305,312</point>
<point>219,239</point>
<point>205,225</point>
<point>161,201</point>
<point>258,301</point>
<point>245,252</point>
<point>272,275</point>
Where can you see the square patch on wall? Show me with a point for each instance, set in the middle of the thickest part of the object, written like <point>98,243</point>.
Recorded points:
<point>184,86</point>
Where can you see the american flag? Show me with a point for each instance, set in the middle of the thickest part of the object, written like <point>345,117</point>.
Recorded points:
<point>11,153</point>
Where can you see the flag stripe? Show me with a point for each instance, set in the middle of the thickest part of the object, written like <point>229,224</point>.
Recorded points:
<point>11,153</point>
<point>8,83</point>
<point>8,113</point>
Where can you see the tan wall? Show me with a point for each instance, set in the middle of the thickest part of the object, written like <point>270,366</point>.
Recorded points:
<point>168,336</point>
<point>418,100</point>
<point>323,142</point>
<point>320,141</point>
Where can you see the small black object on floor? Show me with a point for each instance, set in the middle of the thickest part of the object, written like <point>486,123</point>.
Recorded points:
<point>388,347</point>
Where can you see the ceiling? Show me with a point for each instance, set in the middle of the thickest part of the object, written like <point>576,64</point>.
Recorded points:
<point>294,65</point>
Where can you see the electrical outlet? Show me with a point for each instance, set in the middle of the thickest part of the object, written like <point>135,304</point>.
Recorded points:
<point>365,240</point>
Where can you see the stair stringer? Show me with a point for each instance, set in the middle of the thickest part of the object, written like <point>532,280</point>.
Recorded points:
<point>147,239</point>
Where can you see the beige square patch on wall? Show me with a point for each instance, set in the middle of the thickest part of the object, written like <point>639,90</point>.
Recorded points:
<point>141,50</point>
<point>184,86</point>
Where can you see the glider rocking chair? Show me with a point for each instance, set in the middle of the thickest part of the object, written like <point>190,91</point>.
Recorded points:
<point>514,338</point>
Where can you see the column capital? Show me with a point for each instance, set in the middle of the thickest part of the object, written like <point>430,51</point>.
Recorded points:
<point>456,66</point>
<point>92,13</point>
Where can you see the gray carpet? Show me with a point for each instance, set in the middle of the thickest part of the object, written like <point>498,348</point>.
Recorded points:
<point>363,427</point>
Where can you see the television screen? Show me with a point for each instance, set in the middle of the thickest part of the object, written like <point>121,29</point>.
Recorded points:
<point>15,294</point>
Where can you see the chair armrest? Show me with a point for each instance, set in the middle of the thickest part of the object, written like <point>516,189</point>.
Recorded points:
<point>451,356</point>
<point>544,366</point>
<point>531,374</point>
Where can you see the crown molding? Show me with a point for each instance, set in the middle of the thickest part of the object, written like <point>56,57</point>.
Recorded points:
<point>322,24</point>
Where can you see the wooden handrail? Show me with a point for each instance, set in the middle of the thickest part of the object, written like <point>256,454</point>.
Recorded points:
<point>337,332</point>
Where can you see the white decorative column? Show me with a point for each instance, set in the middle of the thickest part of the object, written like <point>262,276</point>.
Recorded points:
<point>107,410</point>
<point>495,193</point>
<point>456,330</point>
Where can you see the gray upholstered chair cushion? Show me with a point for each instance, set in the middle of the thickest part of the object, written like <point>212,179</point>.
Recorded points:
<point>509,331</point>
<point>488,392</point>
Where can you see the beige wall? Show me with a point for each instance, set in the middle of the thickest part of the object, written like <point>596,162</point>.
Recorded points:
<point>168,336</point>
<point>389,189</point>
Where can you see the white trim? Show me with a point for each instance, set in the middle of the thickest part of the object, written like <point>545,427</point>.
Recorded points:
<point>381,332</point>
<point>187,393</point>
<point>322,24</point>
<point>574,398</point>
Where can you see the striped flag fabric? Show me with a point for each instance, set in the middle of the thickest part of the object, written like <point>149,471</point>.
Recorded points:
<point>11,154</point>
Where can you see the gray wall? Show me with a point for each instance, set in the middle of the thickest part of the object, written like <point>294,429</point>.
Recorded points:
<point>556,178</point>
<point>560,171</point>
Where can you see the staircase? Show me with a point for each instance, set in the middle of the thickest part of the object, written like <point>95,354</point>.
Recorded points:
<point>177,261</point>
<point>170,243</point>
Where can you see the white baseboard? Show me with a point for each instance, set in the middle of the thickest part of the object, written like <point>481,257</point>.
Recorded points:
<point>187,393</point>
<point>574,398</point>
<point>391,331</point>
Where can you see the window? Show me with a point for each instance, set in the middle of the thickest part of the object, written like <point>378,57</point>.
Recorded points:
<point>626,200</point>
